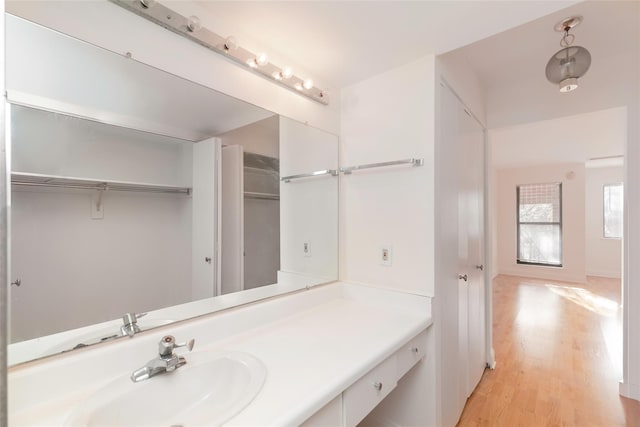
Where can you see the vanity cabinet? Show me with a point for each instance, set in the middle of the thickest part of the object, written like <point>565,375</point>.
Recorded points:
<point>384,361</point>
<point>359,399</point>
<point>329,415</point>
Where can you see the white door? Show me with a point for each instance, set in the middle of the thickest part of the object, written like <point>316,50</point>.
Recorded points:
<point>460,233</point>
<point>471,217</point>
<point>232,219</point>
<point>203,247</point>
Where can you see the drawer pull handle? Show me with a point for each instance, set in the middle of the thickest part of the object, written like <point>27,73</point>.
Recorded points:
<point>414,350</point>
<point>377,385</point>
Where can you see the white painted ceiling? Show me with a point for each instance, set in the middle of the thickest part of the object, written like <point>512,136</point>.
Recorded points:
<point>342,42</point>
<point>506,43</point>
<point>532,122</point>
<point>572,139</point>
<point>511,65</point>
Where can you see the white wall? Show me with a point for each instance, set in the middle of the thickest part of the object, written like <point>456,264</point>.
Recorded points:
<point>389,117</point>
<point>572,177</point>
<point>604,256</point>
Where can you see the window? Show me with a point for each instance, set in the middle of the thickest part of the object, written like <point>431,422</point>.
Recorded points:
<point>540,224</point>
<point>613,202</point>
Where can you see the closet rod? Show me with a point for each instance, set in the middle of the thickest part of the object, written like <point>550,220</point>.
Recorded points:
<point>39,180</point>
<point>107,187</point>
<point>332,172</point>
<point>414,162</point>
<point>265,196</point>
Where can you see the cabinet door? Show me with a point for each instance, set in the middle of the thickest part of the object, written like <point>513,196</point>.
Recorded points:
<point>460,290</point>
<point>203,267</point>
<point>232,211</point>
<point>471,229</point>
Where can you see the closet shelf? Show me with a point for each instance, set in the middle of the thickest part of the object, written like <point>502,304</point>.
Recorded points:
<point>41,180</point>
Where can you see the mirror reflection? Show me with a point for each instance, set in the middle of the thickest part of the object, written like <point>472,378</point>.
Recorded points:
<point>148,199</point>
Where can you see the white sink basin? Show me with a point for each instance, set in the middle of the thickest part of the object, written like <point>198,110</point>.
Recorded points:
<point>207,391</point>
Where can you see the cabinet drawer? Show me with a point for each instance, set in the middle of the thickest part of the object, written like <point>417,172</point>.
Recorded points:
<point>411,353</point>
<point>368,391</point>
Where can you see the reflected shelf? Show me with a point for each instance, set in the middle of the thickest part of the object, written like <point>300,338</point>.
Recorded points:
<point>42,180</point>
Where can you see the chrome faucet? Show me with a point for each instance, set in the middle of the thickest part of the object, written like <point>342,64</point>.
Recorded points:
<point>167,360</point>
<point>130,324</point>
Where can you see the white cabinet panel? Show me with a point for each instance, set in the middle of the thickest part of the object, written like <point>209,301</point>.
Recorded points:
<point>329,416</point>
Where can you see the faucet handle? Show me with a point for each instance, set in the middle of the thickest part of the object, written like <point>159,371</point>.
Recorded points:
<point>168,343</point>
<point>189,344</point>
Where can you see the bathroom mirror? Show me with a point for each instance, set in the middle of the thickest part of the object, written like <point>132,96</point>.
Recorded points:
<point>137,191</point>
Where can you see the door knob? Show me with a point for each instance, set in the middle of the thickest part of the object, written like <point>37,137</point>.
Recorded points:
<point>480,267</point>
<point>463,277</point>
<point>17,282</point>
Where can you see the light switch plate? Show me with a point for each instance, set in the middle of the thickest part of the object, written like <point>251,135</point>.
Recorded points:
<point>386,255</point>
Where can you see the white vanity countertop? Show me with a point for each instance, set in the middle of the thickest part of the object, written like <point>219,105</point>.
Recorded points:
<point>314,344</point>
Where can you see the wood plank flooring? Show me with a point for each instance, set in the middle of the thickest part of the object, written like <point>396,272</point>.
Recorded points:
<point>559,357</point>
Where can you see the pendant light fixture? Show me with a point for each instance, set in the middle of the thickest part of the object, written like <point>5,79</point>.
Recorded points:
<point>567,65</point>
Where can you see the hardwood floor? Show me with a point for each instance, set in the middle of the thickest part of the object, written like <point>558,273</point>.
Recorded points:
<point>559,357</point>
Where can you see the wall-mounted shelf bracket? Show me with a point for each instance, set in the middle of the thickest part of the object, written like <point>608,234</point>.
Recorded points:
<point>347,170</point>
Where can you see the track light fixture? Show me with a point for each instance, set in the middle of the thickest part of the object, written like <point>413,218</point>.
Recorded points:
<point>191,28</point>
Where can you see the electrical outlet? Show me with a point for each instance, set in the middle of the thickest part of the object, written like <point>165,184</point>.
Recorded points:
<point>386,255</point>
<point>306,249</point>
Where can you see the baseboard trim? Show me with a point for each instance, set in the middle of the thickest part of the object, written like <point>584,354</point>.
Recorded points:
<point>544,273</point>
<point>605,274</point>
<point>491,364</point>
<point>632,391</point>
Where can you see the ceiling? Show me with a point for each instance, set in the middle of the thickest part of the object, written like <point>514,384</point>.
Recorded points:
<point>511,65</point>
<point>533,123</point>
<point>572,139</point>
<point>342,42</point>
<point>505,43</point>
